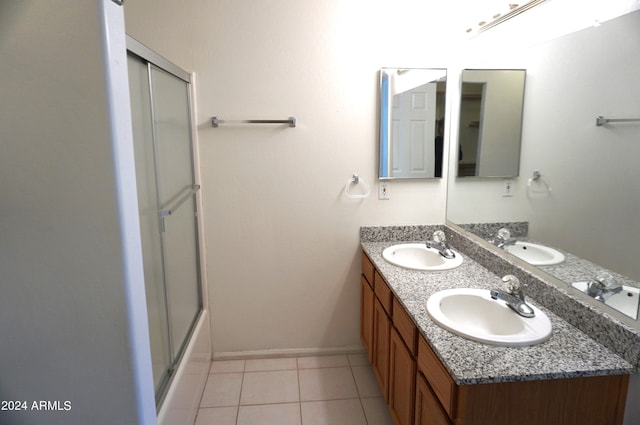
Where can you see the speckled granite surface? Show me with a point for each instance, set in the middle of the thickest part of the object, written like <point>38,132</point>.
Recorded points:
<point>488,231</point>
<point>569,352</point>
<point>398,233</point>
<point>575,269</point>
<point>559,298</point>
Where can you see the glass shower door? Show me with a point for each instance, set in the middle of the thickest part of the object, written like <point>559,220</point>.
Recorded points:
<point>176,199</point>
<point>166,196</point>
<point>149,220</point>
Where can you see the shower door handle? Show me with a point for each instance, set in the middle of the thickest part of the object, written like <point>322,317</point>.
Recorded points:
<point>179,201</point>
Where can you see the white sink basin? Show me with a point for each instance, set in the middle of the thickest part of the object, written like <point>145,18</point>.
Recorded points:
<point>625,301</point>
<point>473,314</point>
<point>417,256</point>
<point>535,254</point>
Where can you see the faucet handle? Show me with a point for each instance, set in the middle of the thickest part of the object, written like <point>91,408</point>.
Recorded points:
<point>504,234</point>
<point>439,236</point>
<point>607,282</point>
<point>513,283</point>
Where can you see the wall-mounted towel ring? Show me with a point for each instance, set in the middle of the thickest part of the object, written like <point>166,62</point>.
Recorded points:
<point>356,180</point>
<point>537,180</point>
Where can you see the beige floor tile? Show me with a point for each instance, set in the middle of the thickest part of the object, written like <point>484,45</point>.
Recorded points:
<point>327,384</point>
<point>366,381</point>
<point>259,365</point>
<point>333,412</point>
<point>270,414</point>
<point>314,362</point>
<point>279,386</point>
<point>217,416</point>
<point>359,359</point>
<point>376,411</point>
<point>222,389</point>
<point>226,366</point>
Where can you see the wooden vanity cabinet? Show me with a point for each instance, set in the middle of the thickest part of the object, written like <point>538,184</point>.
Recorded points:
<point>420,391</point>
<point>367,300</point>
<point>382,332</point>
<point>442,386</point>
<point>402,366</point>
<point>375,322</point>
<point>381,341</point>
<point>367,269</point>
<point>402,378</point>
<point>401,363</point>
<point>595,400</point>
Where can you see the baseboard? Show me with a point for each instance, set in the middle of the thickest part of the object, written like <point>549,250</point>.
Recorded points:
<point>288,352</point>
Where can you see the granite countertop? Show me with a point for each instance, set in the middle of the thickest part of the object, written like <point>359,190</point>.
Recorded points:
<point>568,353</point>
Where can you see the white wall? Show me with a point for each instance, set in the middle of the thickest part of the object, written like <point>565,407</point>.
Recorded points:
<point>282,240</point>
<point>72,329</point>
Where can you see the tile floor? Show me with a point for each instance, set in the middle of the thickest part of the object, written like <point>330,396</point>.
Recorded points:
<point>321,390</point>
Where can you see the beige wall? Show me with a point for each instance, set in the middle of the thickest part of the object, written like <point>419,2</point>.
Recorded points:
<point>282,240</point>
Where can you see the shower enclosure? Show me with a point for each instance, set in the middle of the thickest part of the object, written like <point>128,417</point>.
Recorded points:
<point>160,107</point>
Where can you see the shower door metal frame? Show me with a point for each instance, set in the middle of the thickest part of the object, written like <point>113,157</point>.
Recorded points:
<point>154,61</point>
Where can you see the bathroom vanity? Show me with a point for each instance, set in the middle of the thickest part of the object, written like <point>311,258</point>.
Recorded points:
<point>430,376</point>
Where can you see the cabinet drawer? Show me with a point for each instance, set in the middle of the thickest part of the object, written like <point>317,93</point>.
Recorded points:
<point>437,375</point>
<point>383,292</point>
<point>367,269</point>
<point>405,326</point>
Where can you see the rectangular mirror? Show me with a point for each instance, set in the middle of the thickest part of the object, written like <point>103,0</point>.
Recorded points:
<point>412,105</point>
<point>490,122</point>
<point>570,194</point>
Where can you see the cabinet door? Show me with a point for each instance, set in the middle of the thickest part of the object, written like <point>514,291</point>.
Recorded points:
<point>402,381</point>
<point>366,316</point>
<point>428,409</point>
<point>381,329</point>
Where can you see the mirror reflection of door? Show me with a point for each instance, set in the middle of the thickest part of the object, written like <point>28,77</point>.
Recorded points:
<point>490,128</point>
<point>470,131</point>
<point>413,132</point>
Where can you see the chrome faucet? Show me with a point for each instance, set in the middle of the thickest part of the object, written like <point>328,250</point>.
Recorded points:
<point>603,287</point>
<point>503,238</point>
<point>439,242</point>
<point>514,297</point>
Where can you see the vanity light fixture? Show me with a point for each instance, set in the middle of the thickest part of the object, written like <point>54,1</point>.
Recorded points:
<point>510,10</point>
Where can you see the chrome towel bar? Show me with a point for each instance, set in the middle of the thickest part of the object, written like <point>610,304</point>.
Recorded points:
<point>215,122</point>
<point>178,201</point>
<point>600,120</point>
